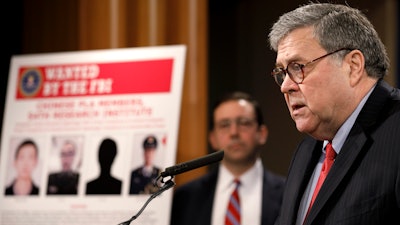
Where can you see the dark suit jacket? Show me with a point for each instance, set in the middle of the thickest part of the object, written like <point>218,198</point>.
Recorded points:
<point>363,185</point>
<point>192,202</point>
<point>141,184</point>
<point>63,183</point>
<point>10,189</point>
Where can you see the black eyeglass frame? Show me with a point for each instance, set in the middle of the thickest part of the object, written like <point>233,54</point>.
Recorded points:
<point>279,73</point>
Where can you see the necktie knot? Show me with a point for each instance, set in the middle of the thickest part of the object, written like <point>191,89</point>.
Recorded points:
<point>330,152</point>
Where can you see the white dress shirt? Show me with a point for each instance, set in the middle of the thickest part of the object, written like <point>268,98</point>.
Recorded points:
<point>250,193</point>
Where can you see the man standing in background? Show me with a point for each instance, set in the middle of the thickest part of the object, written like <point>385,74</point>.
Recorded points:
<point>240,190</point>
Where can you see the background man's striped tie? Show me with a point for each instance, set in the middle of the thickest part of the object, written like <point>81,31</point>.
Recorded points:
<point>232,216</point>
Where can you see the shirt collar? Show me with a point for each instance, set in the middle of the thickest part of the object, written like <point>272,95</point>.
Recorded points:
<point>226,178</point>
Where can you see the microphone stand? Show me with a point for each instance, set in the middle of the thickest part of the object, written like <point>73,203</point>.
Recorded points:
<point>174,170</point>
<point>165,187</point>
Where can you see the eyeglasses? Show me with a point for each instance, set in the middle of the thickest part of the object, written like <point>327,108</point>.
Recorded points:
<point>67,154</point>
<point>295,70</point>
<point>242,124</point>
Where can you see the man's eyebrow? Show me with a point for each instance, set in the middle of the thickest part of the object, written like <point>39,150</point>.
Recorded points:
<point>290,59</point>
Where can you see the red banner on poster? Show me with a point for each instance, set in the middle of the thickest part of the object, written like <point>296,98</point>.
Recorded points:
<point>91,79</point>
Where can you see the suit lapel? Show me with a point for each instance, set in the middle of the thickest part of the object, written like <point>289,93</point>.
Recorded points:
<point>206,195</point>
<point>341,167</point>
<point>353,146</point>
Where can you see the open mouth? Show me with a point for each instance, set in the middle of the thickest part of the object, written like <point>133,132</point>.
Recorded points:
<point>297,107</point>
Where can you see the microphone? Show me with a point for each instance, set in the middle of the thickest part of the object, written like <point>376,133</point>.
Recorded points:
<point>193,164</point>
<point>177,169</point>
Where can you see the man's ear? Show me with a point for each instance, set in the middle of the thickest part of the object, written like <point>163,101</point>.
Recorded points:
<point>262,134</point>
<point>356,61</point>
<point>213,140</point>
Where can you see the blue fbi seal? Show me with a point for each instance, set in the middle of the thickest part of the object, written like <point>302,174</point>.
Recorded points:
<point>30,83</point>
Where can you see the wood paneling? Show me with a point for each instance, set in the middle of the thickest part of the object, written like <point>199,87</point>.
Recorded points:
<point>154,22</point>
<point>71,25</point>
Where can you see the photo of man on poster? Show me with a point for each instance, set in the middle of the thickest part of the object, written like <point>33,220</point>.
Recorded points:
<point>143,178</point>
<point>65,181</point>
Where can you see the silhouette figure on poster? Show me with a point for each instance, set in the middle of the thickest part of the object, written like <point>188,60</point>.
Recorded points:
<point>144,177</point>
<point>105,183</point>
<point>65,182</point>
<point>25,162</point>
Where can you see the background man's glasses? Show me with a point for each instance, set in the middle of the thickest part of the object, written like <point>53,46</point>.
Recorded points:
<point>68,154</point>
<point>242,124</point>
<point>295,70</point>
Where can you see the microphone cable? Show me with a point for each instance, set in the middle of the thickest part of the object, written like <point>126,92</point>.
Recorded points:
<point>167,185</point>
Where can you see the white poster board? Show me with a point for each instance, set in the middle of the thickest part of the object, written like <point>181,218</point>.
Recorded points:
<point>87,97</point>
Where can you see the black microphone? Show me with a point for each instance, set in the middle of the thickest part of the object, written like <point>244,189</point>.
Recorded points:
<point>193,164</point>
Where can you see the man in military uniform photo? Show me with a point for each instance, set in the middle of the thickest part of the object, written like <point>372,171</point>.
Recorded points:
<point>143,178</point>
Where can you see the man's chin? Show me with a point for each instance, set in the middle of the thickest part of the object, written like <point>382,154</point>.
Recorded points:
<point>302,126</point>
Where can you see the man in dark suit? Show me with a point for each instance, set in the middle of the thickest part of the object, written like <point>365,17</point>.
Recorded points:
<point>144,177</point>
<point>65,182</point>
<point>238,128</point>
<point>330,66</point>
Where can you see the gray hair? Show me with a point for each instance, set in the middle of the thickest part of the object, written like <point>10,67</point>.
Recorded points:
<point>336,26</point>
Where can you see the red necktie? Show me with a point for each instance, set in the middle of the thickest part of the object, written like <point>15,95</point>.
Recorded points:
<point>326,166</point>
<point>232,216</point>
